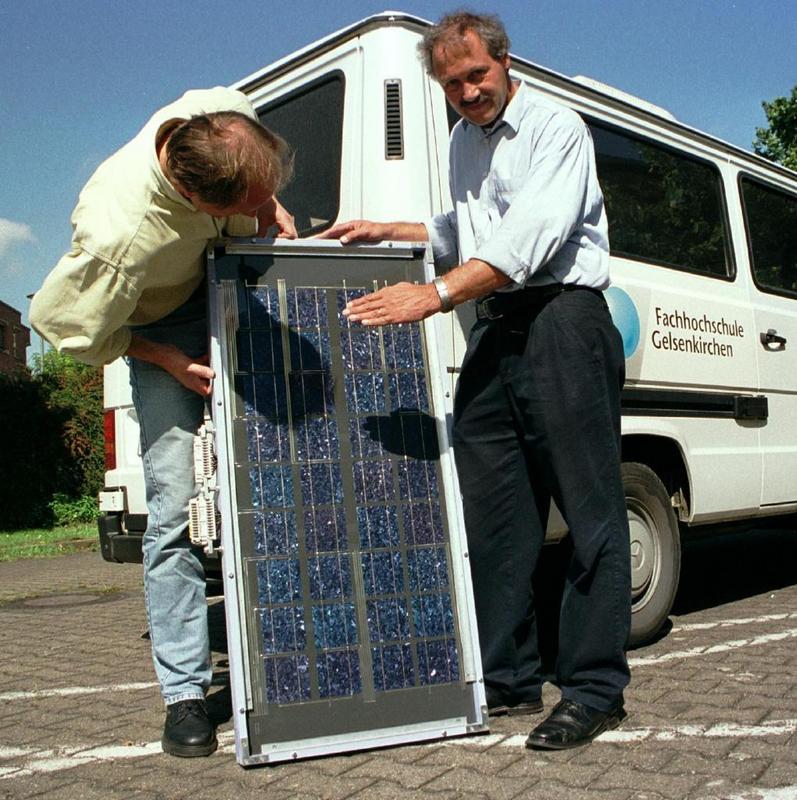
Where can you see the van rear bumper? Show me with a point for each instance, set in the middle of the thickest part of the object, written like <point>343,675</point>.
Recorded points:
<point>121,536</point>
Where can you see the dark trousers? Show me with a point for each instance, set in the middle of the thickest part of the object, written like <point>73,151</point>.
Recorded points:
<point>536,416</point>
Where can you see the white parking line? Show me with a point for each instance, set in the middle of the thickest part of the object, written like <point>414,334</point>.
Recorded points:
<point>644,661</point>
<point>727,623</point>
<point>55,760</point>
<point>74,690</point>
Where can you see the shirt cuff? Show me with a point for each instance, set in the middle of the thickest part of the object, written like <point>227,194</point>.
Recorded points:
<point>498,255</point>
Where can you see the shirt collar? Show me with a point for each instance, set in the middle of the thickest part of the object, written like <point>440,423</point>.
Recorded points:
<point>512,115</point>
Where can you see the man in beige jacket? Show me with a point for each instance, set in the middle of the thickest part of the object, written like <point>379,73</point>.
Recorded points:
<point>132,286</point>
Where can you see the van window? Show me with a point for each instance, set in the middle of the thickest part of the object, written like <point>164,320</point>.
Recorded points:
<point>310,119</point>
<point>771,217</point>
<point>662,206</point>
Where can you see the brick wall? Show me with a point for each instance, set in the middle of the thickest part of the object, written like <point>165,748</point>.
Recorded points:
<point>14,339</point>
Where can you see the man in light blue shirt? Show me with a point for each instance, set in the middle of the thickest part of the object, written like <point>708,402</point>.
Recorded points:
<point>537,410</point>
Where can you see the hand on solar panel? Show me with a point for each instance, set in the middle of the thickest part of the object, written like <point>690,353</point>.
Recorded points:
<point>401,302</point>
<point>356,230</point>
<point>364,230</point>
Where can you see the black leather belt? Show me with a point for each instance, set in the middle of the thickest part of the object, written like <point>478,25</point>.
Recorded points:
<point>502,304</point>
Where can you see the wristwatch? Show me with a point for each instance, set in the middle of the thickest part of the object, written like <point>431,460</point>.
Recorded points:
<point>445,298</point>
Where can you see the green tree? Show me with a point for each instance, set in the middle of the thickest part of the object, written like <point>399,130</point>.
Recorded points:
<point>778,141</point>
<point>74,394</point>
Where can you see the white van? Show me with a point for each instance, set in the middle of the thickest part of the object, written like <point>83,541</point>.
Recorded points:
<point>704,271</point>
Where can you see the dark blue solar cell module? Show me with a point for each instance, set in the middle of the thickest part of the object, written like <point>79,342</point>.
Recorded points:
<point>321,484</point>
<point>275,533</point>
<point>418,436</point>
<point>417,479</point>
<point>382,572</point>
<point>427,569</point>
<point>334,625</point>
<point>283,630</point>
<point>403,347</point>
<point>408,391</point>
<point>287,679</point>
<point>367,435</point>
<point>263,307</point>
<point>264,396</point>
<point>361,348</point>
<point>267,441</point>
<point>278,581</point>
<point>272,487</point>
<point>392,667</point>
<point>438,662</point>
<point>373,482</point>
<point>378,526</point>
<point>422,523</point>
<point>388,620</point>
<point>365,392</point>
<point>330,576</point>
<point>307,308</point>
<point>325,528</point>
<point>317,439</point>
<point>309,350</point>
<point>266,351</point>
<point>345,296</point>
<point>339,673</point>
<point>433,615</point>
<point>311,394</point>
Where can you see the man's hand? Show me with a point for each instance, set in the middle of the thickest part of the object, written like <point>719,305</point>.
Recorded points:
<point>401,302</point>
<point>193,373</point>
<point>357,230</point>
<point>363,230</point>
<point>274,213</point>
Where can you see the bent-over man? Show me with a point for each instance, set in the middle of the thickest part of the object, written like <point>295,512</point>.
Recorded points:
<point>132,285</point>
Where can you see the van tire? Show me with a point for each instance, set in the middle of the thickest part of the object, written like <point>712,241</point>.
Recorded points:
<point>655,551</point>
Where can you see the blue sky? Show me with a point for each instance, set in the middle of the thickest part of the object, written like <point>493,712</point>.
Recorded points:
<point>79,78</point>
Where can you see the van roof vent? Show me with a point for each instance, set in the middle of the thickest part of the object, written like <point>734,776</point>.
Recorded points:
<point>394,136</point>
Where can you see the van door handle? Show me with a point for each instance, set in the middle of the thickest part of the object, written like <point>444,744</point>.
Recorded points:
<point>772,341</point>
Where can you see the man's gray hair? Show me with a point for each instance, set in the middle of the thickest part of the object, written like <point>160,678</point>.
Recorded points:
<point>452,27</point>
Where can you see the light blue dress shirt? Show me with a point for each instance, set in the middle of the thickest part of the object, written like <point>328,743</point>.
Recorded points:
<point>526,197</point>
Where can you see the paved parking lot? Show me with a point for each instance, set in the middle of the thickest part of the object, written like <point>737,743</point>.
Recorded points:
<point>712,705</point>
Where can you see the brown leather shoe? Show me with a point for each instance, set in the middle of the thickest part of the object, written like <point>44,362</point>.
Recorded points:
<point>573,724</point>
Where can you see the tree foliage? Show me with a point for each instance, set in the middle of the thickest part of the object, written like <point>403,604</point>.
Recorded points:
<point>51,422</point>
<point>778,141</point>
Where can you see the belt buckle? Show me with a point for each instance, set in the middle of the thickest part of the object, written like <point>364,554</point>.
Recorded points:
<point>483,309</point>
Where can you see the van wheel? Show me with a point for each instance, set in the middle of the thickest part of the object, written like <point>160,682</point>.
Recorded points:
<point>655,551</point>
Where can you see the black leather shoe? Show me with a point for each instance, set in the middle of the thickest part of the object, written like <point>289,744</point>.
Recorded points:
<point>188,731</point>
<point>572,724</point>
<point>499,705</point>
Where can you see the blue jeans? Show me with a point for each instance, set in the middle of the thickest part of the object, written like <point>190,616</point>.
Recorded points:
<point>537,416</point>
<point>174,578</point>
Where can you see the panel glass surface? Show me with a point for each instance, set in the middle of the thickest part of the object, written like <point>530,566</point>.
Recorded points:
<point>340,499</point>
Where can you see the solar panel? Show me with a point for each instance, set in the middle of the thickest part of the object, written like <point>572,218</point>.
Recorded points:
<point>350,621</point>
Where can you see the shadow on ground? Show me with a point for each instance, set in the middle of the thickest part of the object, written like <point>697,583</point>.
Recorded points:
<point>724,566</point>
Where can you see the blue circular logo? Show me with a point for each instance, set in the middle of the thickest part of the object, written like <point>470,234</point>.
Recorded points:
<point>625,317</point>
